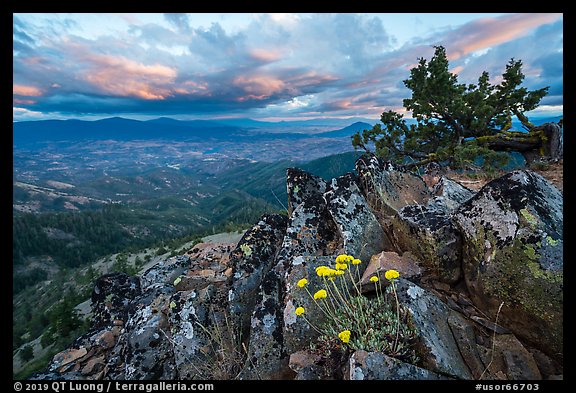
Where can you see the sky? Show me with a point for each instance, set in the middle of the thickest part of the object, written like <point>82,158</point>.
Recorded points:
<point>263,66</point>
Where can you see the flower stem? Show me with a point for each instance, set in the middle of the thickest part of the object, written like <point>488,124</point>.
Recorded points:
<point>397,316</point>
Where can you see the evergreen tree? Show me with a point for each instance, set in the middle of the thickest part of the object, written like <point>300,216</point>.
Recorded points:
<point>456,123</point>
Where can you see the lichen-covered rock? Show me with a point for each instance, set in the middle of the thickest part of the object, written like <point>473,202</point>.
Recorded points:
<point>148,353</point>
<point>301,184</point>
<point>359,229</point>
<point>429,234</point>
<point>448,195</point>
<point>512,254</point>
<point>510,360</point>
<point>298,334</point>
<point>251,260</point>
<point>463,332</point>
<point>198,328</point>
<point>388,188</point>
<point>267,357</point>
<point>378,366</point>
<point>165,272</point>
<point>311,231</point>
<point>430,316</point>
<point>110,298</point>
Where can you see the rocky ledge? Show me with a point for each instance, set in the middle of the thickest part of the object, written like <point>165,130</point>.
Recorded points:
<point>466,259</point>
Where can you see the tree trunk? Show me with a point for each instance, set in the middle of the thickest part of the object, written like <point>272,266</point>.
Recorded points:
<point>544,143</point>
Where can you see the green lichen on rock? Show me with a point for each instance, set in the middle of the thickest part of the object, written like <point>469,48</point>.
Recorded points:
<point>246,250</point>
<point>551,241</point>
<point>533,221</point>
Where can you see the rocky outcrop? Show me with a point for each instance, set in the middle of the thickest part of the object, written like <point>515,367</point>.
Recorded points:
<point>430,316</point>
<point>465,261</point>
<point>300,185</point>
<point>375,365</point>
<point>251,260</point>
<point>389,188</point>
<point>429,234</point>
<point>111,296</point>
<point>359,229</point>
<point>512,233</point>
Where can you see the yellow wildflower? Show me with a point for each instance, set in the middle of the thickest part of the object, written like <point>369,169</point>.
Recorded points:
<point>356,261</point>
<point>342,258</point>
<point>302,283</point>
<point>339,272</point>
<point>391,275</point>
<point>344,336</point>
<point>300,311</point>
<point>321,294</point>
<point>321,270</point>
<point>373,279</point>
<point>341,266</point>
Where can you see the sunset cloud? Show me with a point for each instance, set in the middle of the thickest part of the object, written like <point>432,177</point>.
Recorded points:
<point>261,65</point>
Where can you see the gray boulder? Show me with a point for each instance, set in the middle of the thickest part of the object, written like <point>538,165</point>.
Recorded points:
<point>267,356</point>
<point>430,316</point>
<point>378,366</point>
<point>512,233</point>
<point>110,298</point>
<point>359,229</point>
<point>429,234</point>
<point>387,187</point>
<point>301,184</point>
<point>148,353</point>
<point>252,258</point>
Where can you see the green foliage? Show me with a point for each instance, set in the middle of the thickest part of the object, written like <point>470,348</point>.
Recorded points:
<point>26,353</point>
<point>449,115</point>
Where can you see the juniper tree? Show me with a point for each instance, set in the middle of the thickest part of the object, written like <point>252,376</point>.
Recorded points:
<point>455,122</point>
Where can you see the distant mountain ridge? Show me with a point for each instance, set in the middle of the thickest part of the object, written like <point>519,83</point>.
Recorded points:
<point>117,128</point>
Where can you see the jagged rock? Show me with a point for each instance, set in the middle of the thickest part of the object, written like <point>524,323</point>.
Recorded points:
<point>300,185</point>
<point>267,357</point>
<point>310,231</point>
<point>511,358</point>
<point>53,376</point>
<point>147,349</point>
<point>165,272</point>
<point>512,254</point>
<point>387,188</point>
<point>429,234</point>
<point>214,256</point>
<point>359,229</point>
<point>198,327</point>
<point>378,366</point>
<point>110,298</point>
<point>430,316</point>
<point>306,366</point>
<point>197,282</point>
<point>297,332</point>
<point>463,332</point>
<point>66,357</point>
<point>448,195</point>
<point>94,365</point>
<point>407,265</point>
<point>251,260</point>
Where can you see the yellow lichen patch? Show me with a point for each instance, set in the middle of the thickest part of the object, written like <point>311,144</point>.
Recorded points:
<point>246,250</point>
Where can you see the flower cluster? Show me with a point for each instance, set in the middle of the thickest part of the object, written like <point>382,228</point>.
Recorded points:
<point>357,321</point>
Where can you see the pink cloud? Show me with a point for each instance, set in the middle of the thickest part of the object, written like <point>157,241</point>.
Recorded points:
<point>258,87</point>
<point>486,32</point>
<point>265,55</point>
<point>28,91</point>
<point>127,78</point>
